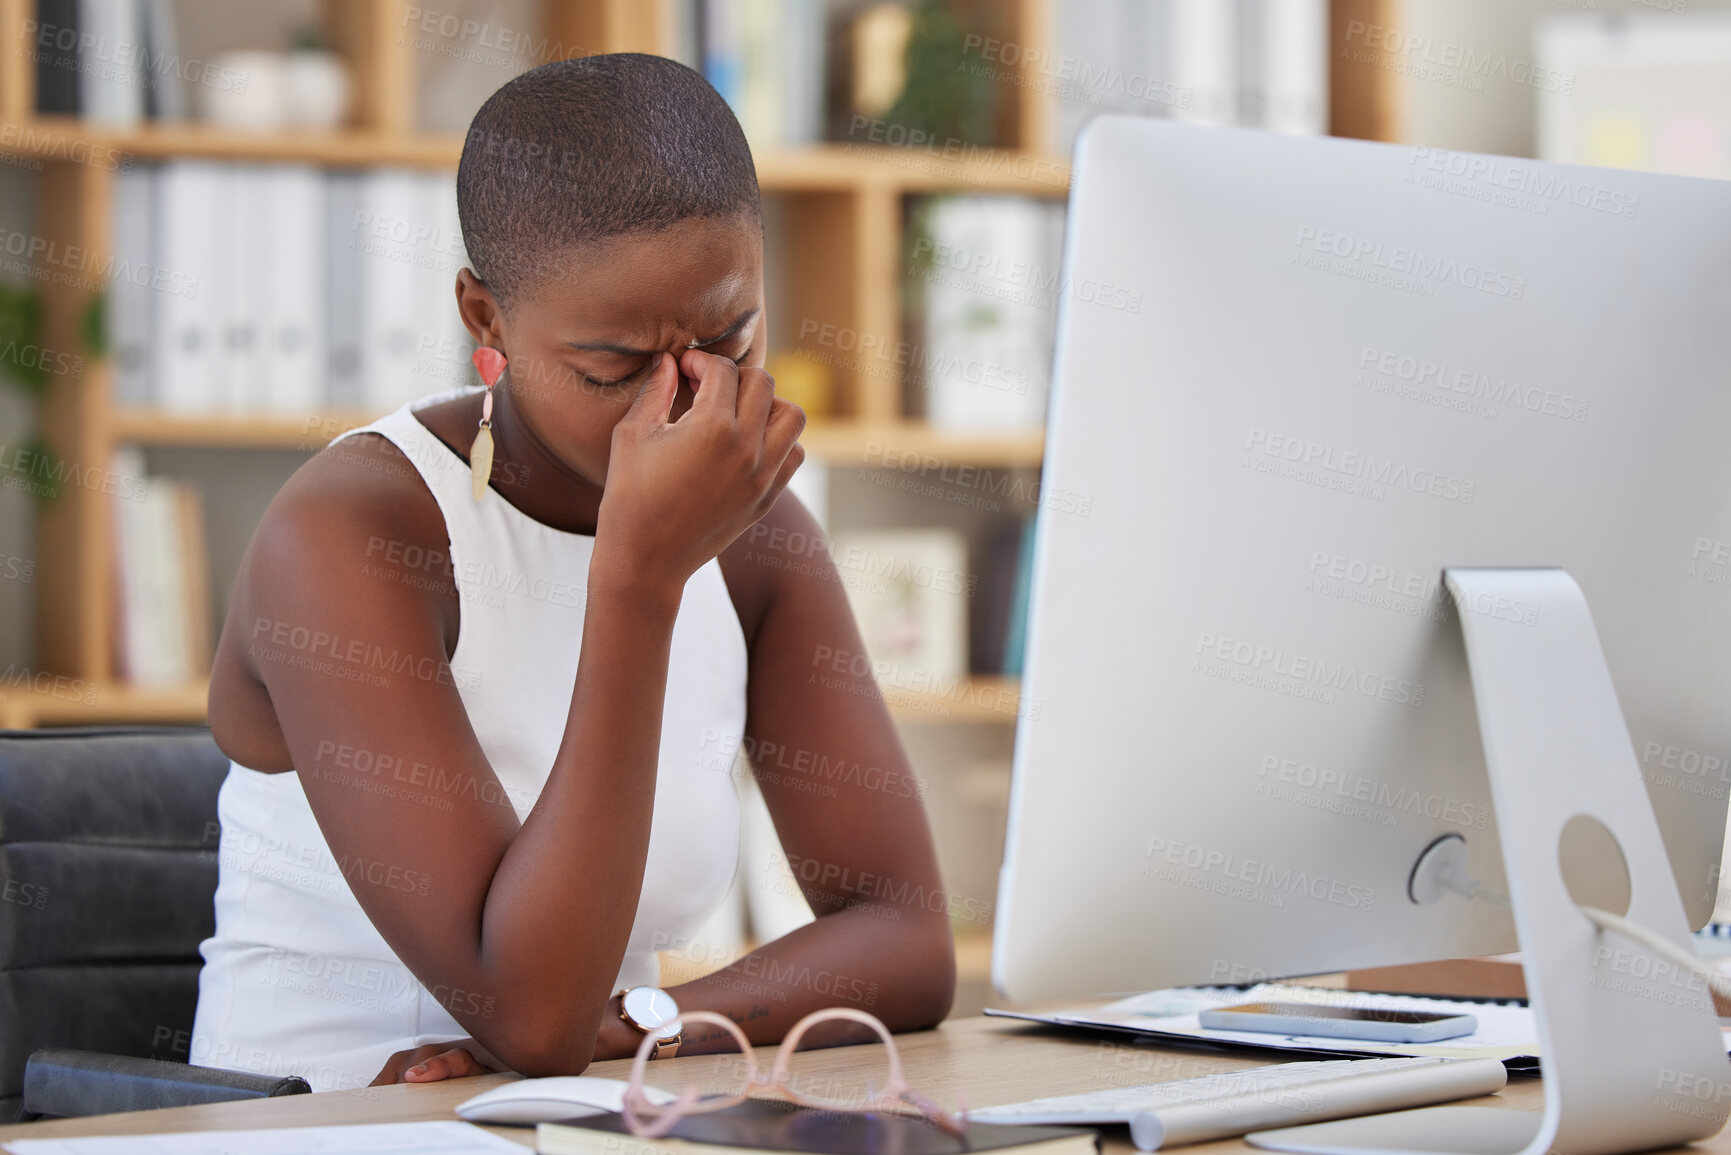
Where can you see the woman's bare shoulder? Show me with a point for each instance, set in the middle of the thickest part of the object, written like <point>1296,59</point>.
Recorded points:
<point>355,527</point>
<point>358,501</point>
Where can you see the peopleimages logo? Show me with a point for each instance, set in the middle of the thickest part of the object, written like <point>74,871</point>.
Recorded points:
<point>1363,473</point>
<point>1426,268</point>
<point>1336,786</point>
<point>1472,385</point>
<point>1254,872</point>
<point>1545,185</point>
<point>1278,662</point>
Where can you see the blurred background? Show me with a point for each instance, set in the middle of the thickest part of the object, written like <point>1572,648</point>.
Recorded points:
<point>228,233</point>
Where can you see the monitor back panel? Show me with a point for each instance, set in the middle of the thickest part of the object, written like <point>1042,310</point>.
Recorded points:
<point>1295,379</point>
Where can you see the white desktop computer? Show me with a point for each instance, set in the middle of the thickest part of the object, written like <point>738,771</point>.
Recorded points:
<point>1408,544</point>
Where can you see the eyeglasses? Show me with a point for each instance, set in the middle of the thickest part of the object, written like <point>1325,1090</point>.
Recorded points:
<point>648,1120</point>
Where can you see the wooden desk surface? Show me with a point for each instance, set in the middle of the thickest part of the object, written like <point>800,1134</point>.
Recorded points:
<point>991,1060</point>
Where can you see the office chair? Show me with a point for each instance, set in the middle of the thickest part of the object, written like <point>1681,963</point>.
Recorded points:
<point>108,867</point>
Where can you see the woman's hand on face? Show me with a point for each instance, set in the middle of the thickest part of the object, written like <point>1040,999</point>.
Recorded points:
<point>432,1062</point>
<point>678,493</point>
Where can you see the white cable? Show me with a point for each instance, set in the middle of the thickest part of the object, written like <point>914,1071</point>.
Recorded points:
<point>1659,945</point>
<point>1469,887</point>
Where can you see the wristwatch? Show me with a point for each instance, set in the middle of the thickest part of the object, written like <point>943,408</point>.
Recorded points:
<point>653,1011</point>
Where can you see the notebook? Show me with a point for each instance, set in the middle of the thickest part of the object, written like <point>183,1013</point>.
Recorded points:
<point>771,1125</point>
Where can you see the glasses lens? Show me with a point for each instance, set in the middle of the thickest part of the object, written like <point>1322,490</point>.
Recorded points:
<point>842,1078</point>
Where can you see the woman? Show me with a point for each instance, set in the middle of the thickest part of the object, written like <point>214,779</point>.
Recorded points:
<point>488,660</point>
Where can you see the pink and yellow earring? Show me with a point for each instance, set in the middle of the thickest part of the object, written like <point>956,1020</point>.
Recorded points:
<point>489,363</point>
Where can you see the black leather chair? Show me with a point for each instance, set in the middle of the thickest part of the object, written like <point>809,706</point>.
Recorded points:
<point>108,864</point>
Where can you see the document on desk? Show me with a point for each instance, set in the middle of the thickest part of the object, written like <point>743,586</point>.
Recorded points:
<point>1505,1030</point>
<point>440,1138</point>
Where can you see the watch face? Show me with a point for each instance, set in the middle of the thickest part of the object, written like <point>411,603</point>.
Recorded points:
<point>651,1008</point>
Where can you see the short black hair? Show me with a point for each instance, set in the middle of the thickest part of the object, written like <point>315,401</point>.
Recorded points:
<point>580,150</point>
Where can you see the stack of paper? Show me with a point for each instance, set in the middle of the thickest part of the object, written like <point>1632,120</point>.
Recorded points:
<point>365,1139</point>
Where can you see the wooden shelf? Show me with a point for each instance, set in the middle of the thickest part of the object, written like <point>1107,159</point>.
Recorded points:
<point>843,166</point>
<point>914,446</point>
<point>993,701</point>
<point>910,446</point>
<point>68,138</point>
<point>309,433</point>
<point>822,168</point>
<point>71,702</point>
<point>845,218</point>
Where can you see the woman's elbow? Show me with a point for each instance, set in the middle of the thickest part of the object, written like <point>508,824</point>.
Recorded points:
<point>932,989</point>
<point>544,1048</point>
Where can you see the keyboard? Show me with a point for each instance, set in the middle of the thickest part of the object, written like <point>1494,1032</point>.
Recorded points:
<point>1183,1111</point>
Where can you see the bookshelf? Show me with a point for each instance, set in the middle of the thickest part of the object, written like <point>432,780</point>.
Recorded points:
<point>836,442</point>
<point>26,709</point>
<point>845,208</point>
<point>844,203</point>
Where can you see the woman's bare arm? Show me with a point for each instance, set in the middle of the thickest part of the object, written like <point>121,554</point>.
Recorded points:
<point>517,929</point>
<point>845,803</point>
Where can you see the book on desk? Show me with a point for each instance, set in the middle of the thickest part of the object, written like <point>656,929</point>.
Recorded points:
<point>773,1125</point>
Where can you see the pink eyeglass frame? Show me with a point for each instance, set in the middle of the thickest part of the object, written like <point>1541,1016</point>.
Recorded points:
<point>649,1120</point>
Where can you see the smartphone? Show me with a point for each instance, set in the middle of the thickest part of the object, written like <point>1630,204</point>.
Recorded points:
<point>1379,1025</point>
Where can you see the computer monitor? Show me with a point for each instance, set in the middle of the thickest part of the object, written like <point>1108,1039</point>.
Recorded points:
<point>1296,379</point>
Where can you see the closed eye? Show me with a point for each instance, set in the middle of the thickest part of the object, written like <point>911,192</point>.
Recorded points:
<point>600,384</point>
<point>735,357</point>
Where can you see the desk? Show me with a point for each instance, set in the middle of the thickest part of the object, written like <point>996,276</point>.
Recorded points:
<point>992,1060</point>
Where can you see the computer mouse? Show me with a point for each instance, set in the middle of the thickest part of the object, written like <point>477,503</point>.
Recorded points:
<point>549,1100</point>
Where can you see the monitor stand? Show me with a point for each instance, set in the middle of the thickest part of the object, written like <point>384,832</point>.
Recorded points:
<point>1624,1070</point>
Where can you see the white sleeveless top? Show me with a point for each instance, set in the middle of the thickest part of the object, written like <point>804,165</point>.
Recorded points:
<point>296,979</point>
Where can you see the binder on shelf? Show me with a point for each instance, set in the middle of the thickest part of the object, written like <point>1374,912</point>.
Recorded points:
<point>152,583</point>
<point>132,626</point>
<point>763,54</point>
<point>185,363</point>
<point>164,89</point>
<point>344,293</point>
<point>1204,42</point>
<point>131,293</point>
<point>58,91</point>
<point>1294,66</point>
<point>111,82</point>
<point>292,239</point>
<point>1259,63</point>
<point>803,88</point>
<point>766,58</point>
<point>194,570</point>
<point>389,233</point>
<point>723,49</point>
<point>240,230</point>
<point>442,361</point>
<point>683,20</point>
<point>162,604</point>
